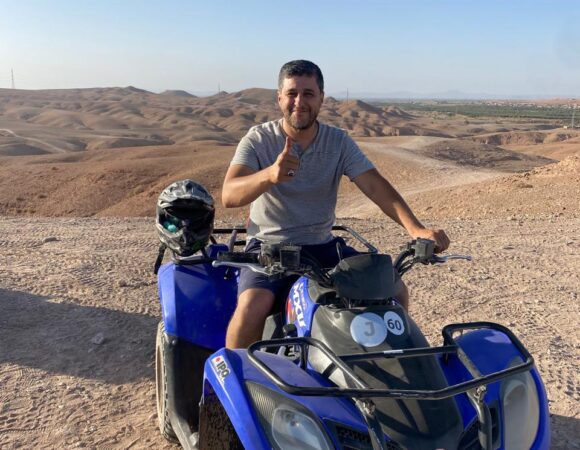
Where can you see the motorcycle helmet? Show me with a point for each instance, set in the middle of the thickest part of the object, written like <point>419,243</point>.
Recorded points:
<point>185,214</point>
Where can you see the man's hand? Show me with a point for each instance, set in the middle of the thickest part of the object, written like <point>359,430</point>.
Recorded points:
<point>286,165</point>
<point>243,185</point>
<point>439,236</point>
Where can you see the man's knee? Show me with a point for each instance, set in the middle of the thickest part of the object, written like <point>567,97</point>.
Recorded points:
<point>247,323</point>
<point>253,306</point>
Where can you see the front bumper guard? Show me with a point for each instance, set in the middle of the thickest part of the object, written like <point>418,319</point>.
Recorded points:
<point>362,393</point>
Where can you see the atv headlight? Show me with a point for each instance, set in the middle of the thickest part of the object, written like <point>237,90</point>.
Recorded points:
<point>521,410</point>
<point>288,424</point>
<point>293,430</point>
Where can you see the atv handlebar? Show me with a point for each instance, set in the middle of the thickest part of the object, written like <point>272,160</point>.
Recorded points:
<point>286,259</point>
<point>421,251</point>
<point>275,260</point>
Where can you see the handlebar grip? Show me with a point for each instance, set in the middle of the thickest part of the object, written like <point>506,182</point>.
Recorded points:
<point>437,259</point>
<point>238,257</point>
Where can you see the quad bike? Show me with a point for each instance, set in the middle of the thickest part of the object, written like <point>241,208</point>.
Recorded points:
<point>341,366</point>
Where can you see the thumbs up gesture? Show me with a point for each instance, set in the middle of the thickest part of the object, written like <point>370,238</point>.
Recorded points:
<point>286,165</point>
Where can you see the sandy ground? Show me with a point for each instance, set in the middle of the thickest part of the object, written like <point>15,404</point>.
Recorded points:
<point>79,313</point>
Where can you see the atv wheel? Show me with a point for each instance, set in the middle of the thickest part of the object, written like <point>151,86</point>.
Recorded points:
<point>161,386</point>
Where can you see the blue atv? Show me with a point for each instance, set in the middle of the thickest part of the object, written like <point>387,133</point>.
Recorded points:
<point>341,364</point>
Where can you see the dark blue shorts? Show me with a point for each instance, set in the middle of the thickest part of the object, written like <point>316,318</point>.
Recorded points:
<point>325,254</point>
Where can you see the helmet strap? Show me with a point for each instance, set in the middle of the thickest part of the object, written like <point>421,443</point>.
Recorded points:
<point>159,260</point>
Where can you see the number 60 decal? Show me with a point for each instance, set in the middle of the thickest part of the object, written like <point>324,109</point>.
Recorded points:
<point>394,323</point>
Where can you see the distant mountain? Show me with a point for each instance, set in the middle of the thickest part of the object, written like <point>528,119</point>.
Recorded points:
<point>178,93</point>
<point>117,117</point>
<point>136,90</point>
<point>443,95</point>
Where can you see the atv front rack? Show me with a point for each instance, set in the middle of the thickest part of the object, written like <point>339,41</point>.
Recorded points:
<point>365,391</point>
<point>362,393</point>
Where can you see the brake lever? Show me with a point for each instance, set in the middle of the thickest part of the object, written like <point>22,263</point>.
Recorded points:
<point>442,259</point>
<point>270,271</point>
<point>253,267</point>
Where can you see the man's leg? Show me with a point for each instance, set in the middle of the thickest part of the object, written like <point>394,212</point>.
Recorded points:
<point>247,323</point>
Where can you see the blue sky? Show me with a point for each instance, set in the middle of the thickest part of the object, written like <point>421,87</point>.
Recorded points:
<point>493,47</point>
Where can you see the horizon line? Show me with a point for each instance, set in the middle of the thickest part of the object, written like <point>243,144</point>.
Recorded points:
<point>346,94</point>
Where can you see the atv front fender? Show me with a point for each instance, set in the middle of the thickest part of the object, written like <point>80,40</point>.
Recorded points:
<point>491,350</point>
<point>228,371</point>
<point>197,301</point>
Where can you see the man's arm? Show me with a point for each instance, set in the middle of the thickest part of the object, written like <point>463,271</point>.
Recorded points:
<point>243,185</point>
<point>384,195</point>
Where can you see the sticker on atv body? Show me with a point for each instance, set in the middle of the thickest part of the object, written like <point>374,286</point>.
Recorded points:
<point>220,366</point>
<point>368,329</point>
<point>298,304</point>
<point>394,323</point>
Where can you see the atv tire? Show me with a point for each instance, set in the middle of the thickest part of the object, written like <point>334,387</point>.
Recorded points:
<point>161,386</point>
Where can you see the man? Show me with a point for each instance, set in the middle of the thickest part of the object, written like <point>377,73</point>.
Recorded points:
<point>289,171</point>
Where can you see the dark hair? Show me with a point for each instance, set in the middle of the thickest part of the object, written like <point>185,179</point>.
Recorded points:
<point>299,68</point>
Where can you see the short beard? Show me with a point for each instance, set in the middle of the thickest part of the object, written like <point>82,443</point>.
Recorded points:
<point>290,120</point>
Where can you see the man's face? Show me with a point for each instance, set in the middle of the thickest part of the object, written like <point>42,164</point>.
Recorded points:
<point>300,100</point>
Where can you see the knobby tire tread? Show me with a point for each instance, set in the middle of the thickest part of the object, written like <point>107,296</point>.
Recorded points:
<point>162,411</point>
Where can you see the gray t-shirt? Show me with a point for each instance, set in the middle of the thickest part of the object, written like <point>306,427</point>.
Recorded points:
<point>300,211</point>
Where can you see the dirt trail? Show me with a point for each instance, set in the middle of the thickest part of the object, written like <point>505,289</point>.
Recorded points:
<point>52,148</point>
<point>79,310</point>
<point>444,173</point>
<point>431,173</point>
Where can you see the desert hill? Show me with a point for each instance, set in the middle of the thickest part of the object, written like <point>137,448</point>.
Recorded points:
<point>546,191</point>
<point>65,120</point>
<point>527,137</point>
<point>109,151</point>
<point>126,182</point>
<point>475,154</point>
<point>178,93</point>
<point>84,119</point>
